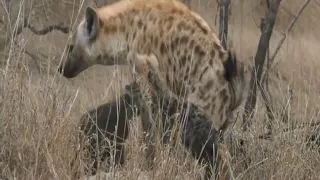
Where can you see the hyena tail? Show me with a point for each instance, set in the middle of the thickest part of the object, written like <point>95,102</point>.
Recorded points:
<point>234,74</point>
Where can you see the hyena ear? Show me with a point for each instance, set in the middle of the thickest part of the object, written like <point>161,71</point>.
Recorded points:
<point>92,23</point>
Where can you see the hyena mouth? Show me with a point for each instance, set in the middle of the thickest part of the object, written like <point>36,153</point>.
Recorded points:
<point>72,66</point>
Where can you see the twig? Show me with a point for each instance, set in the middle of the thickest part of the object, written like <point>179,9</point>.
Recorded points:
<point>259,62</point>
<point>288,30</point>
<point>223,22</point>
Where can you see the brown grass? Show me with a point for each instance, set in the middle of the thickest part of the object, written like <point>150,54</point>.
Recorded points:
<point>39,109</point>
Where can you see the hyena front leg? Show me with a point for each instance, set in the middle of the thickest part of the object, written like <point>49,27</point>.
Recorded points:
<point>140,71</point>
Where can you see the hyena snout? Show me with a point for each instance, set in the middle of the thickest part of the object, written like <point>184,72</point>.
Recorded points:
<point>73,65</point>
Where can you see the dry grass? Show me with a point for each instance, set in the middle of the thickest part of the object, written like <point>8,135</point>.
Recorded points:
<point>39,109</point>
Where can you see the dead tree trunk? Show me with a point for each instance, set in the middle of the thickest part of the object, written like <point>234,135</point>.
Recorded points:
<point>223,22</point>
<point>260,57</point>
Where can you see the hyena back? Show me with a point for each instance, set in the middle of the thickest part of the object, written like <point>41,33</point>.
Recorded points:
<point>169,39</point>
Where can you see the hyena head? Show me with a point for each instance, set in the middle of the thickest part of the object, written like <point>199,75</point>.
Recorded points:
<point>90,46</point>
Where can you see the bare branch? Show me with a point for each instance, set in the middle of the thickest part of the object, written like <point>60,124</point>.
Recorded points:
<point>294,20</point>
<point>223,24</point>
<point>59,27</point>
<point>259,61</point>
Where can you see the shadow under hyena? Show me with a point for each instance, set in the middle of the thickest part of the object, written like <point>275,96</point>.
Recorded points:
<point>196,132</point>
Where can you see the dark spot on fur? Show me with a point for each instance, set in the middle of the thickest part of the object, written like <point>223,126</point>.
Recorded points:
<point>179,27</point>
<point>176,40</point>
<point>193,89</point>
<point>225,99</point>
<point>179,12</point>
<point>169,26</point>
<point>106,29</point>
<point>184,40</point>
<point>186,77</point>
<point>209,85</point>
<point>140,24</point>
<point>213,99</point>
<point>161,33</point>
<point>178,52</point>
<point>149,64</point>
<point>191,44</point>
<point>168,79</point>
<point>201,54</point>
<point>219,73</point>
<point>195,68</point>
<point>151,39</point>
<point>160,22</point>
<point>134,34</point>
<point>183,60</point>
<point>197,49</point>
<point>158,6</point>
<point>156,40</point>
<point>212,53</point>
<point>144,39</point>
<point>144,28</point>
<point>169,61</point>
<point>203,72</point>
<point>162,48</point>
<point>172,46</point>
<point>182,26</point>
<point>211,61</point>
<point>188,69</point>
<point>132,22</point>
<point>101,23</point>
<point>223,93</point>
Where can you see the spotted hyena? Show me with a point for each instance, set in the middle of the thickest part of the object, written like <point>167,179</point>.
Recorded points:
<point>170,40</point>
<point>106,128</point>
